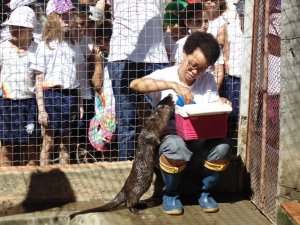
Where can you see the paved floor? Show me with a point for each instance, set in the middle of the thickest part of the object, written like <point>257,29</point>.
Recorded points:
<point>234,210</point>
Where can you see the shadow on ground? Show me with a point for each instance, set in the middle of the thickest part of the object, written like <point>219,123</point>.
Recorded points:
<point>46,190</point>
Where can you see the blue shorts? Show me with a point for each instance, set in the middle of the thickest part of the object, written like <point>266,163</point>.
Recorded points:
<point>62,108</point>
<point>18,120</point>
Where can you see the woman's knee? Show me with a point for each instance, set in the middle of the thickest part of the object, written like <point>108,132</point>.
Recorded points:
<point>174,148</point>
<point>221,151</point>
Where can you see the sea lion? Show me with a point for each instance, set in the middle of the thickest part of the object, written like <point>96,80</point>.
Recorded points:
<point>141,174</point>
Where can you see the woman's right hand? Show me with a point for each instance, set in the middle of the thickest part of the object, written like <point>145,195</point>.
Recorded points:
<point>43,118</point>
<point>185,92</point>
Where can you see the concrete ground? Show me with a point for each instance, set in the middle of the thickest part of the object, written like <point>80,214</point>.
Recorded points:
<point>234,210</point>
<point>72,188</point>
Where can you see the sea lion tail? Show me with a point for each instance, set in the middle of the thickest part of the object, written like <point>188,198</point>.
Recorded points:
<point>118,200</point>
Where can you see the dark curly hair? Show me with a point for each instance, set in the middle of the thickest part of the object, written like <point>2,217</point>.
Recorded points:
<point>206,43</point>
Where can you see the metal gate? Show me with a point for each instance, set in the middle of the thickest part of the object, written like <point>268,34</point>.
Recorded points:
<point>263,134</point>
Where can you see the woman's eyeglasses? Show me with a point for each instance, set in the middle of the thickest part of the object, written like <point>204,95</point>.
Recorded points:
<point>193,66</point>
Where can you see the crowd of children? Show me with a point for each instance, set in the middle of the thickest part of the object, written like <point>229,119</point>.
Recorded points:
<point>66,67</point>
<point>47,97</point>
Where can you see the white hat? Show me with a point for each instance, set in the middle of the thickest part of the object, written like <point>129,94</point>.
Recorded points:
<point>22,16</point>
<point>17,3</point>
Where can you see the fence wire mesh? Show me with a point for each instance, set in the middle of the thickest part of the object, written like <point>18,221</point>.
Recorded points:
<point>89,41</point>
<point>41,121</point>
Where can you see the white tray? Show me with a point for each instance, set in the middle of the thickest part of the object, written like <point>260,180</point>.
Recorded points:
<point>202,109</point>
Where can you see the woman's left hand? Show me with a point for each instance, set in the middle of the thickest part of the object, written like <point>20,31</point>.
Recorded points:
<point>225,101</point>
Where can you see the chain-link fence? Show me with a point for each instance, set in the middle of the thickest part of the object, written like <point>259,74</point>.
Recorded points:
<point>41,117</point>
<point>263,142</point>
<point>97,135</point>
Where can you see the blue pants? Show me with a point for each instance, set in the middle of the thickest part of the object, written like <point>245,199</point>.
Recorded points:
<point>121,74</point>
<point>233,89</point>
<point>195,152</point>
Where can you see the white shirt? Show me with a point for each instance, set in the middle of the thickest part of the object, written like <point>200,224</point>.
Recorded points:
<point>16,80</point>
<point>86,45</point>
<point>170,43</point>
<point>138,31</point>
<point>82,51</point>
<point>58,65</point>
<point>214,25</point>
<point>37,34</point>
<point>176,55</point>
<point>213,28</point>
<point>235,38</point>
<point>204,89</point>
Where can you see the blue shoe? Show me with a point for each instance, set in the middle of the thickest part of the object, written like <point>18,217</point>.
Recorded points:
<point>172,205</point>
<point>208,203</point>
<point>171,202</point>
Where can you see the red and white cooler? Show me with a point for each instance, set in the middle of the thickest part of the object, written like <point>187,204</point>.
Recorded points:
<point>198,121</point>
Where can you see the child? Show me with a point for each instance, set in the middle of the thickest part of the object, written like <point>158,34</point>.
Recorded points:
<point>18,109</point>
<point>36,6</point>
<point>234,51</point>
<point>57,83</point>
<point>196,20</point>
<point>78,38</point>
<point>100,52</point>
<point>174,25</point>
<point>193,19</point>
<point>218,28</point>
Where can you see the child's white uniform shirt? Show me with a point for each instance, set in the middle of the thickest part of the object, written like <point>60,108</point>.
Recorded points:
<point>176,55</point>
<point>16,80</point>
<point>214,25</point>
<point>86,46</point>
<point>58,65</point>
<point>170,44</point>
<point>235,38</point>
